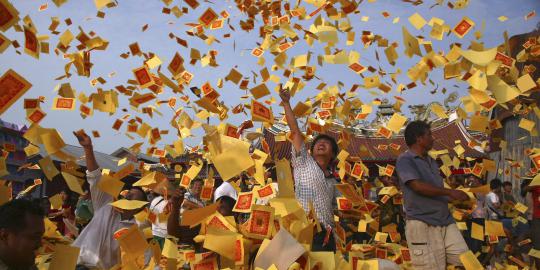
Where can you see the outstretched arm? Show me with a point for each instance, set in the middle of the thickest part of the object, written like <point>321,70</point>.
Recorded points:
<point>429,190</point>
<point>86,143</point>
<point>93,174</point>
<point>297,137</point>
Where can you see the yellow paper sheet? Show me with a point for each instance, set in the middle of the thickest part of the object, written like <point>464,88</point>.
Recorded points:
<point>234,158</point>
<point>481,58</point>
<point>72,183</point>
<point>417,21</point>
<point>396,122</point>
<point>470,262</point>
<point>502,91</point>
<point>110,185</point>
<point>285,179</point>
<point>128,204</point>
<point>221,242</point>
<point>170,250</point>
<point>477,231</point>
<point>64,257</point>
<point>133,242</point>
<point>494,228</point>
<point>194,217</point>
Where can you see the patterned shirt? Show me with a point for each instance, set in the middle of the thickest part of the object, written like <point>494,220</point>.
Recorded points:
<point>191,198</point>
<point>311,185</point>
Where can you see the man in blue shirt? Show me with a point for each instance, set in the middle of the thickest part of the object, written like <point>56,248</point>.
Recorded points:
<point>432,235</point>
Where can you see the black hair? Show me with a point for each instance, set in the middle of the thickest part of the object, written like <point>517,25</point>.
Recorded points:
<point>414,130</point>
<point>332,141</point>
<point>495,183</point>
<point>71,199</point>
<point>141,190</point>
<point>228,201</point>
<point>13,213</point>
<point>523,187</point>
<point>195,181</point>
<point>507,183</point>
<point>480,180</point>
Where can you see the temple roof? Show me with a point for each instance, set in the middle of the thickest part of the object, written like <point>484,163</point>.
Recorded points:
<point>367,147</point>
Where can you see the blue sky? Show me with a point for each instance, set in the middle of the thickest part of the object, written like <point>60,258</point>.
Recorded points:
<point>122,26</point>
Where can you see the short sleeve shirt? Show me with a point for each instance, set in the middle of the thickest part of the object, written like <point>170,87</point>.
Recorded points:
<point>312,185</point>
<point>431,210</point>
<point>491,200</point>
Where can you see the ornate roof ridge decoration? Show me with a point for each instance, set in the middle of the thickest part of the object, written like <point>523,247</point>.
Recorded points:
<point>383,115</point>
<point>366,146</point>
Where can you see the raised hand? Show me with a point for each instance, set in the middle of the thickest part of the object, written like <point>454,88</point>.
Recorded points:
<point>86,143</point>
<point>284,94</point>
<point>177,197</point>
<point>84,139</point>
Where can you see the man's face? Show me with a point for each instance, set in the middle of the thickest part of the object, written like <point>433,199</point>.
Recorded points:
<point>426,140</point>
<point>197,188</point>
<point>474,182</point>
<point>22,245</point>
<point>386,181</point>
<point>224,209</point>
<point>323,147</point>
<point>133,194</point>
<point>508,189</point>
<point>64,195</point>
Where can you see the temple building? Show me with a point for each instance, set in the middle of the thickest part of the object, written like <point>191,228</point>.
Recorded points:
<point>511,145</point>
<point>374,150</point>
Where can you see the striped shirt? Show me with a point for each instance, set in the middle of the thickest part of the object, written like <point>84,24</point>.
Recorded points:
<point>311,185</point>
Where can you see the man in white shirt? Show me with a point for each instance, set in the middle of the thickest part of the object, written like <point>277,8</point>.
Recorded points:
<point>98,248</point>
<point>493,202</point>
<point>159,228</point>
<point>225,189</point>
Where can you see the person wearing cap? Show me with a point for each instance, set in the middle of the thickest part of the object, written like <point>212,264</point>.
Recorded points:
<point>313,178</point>
<point>225,189</point>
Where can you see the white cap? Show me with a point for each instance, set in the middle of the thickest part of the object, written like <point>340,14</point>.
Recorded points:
<point>225,189</point>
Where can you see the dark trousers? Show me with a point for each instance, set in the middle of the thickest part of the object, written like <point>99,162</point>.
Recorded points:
<point>474,245</point>
<point>160,240</point>
<point>318,241</point>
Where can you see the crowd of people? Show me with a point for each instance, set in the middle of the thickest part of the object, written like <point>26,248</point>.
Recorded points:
<point>433,219</point>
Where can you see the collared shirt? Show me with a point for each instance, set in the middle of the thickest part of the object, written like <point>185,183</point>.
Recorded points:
<point>191,198</point>
<point>312,185</point>
<point>431,210</point>
<point>98,248</point>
